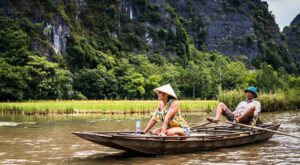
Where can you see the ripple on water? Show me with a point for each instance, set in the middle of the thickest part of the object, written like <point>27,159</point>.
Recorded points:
<point>9,124</point>
<point>197,161</point>
<point>18,161</point>
<point>34,142</point>
<point>75,146</point>
<point>56,148</point>
<point>89,153</point>
<point>33,152</point>
<point>43,141</point>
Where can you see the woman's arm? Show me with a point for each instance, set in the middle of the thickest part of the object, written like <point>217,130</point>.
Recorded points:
<point>152,122</point>
<point>171,112</point>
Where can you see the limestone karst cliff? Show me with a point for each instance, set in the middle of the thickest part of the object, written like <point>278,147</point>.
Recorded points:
<point>236,28</point>
<point>122,49</point>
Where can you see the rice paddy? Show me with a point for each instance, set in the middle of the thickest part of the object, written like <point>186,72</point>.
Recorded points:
<point>282,100</point>
<point>99,106</point>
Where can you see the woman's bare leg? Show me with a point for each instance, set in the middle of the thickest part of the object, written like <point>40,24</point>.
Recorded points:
<point>175,131</point>
<point>155,131</point>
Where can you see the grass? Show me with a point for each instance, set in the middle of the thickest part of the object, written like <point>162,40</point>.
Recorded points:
<point>281,100</point>
<point>98,106</point>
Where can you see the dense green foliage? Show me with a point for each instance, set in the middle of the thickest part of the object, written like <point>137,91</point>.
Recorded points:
<point>104,62</point>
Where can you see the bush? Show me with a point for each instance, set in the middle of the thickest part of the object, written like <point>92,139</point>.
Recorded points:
<point>231,98</point>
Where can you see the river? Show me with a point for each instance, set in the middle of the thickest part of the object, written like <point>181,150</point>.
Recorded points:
<point>49,140</point>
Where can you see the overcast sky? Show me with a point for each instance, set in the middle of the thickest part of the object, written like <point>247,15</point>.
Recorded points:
<point>284,10</point>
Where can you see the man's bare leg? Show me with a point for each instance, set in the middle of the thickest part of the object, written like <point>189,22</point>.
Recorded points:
<point>221,107</point>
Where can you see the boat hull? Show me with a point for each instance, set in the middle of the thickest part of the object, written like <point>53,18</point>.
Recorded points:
<point>150,144</point>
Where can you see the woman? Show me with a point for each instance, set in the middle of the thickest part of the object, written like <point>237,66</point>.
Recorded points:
<point>168,112</point>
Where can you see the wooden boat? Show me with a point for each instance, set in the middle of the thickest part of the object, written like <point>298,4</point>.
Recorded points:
<point>202,138</point>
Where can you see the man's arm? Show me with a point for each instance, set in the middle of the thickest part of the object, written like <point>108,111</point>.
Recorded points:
<point>248,113</point>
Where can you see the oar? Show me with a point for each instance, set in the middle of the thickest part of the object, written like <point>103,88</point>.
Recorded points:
<point>263,129</point>
<point>201,125</point>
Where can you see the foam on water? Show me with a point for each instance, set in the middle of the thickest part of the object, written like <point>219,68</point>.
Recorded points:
<point>13,124</point>
<point>9,124</point>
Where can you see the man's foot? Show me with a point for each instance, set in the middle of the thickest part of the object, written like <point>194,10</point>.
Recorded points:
<point>210,119</point>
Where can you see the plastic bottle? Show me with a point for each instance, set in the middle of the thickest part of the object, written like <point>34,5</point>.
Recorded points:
<point>138,126</point>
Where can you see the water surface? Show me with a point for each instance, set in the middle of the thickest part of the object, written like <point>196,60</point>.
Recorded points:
<point>48,140</point>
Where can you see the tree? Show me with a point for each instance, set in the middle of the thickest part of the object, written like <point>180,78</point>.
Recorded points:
<point>192,76</point>
<point>12,82</point>
<point>234,76</point>
<point>267,78</point>
<point>46,80</point>
<point>13,42</point>
<point>96,83</point>
<point>171,74</point>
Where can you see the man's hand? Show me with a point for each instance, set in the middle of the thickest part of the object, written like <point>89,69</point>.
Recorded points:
<point>237,117</point>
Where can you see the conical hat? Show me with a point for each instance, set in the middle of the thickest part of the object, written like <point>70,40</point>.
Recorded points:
<point>166,89</point>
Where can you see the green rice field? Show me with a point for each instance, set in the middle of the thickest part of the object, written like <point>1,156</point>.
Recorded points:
<point>99,106</point>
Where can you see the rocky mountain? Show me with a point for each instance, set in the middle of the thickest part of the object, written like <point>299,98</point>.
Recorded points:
<point>292,33</point>
<point>78,29</point>
<point>122,49</point>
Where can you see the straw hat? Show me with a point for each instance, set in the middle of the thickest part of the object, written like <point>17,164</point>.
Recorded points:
<point>166,89</point>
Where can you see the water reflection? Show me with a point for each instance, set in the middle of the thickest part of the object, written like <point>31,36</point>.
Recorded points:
<point>48,139</point>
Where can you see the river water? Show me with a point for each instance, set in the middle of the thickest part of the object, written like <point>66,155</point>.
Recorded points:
<point>48,140</point>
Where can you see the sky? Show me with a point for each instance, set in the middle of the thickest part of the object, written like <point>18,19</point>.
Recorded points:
<point>284,10</point>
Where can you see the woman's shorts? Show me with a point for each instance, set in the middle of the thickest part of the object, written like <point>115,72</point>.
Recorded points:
<point>187,131</point>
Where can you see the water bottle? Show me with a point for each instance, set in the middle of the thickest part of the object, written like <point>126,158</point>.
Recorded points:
<point>138,126</point>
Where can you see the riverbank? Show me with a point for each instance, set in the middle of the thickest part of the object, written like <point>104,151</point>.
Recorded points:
<point>282,100</point>
<point>98,106</point>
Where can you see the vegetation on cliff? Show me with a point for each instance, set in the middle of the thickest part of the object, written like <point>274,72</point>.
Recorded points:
<point>112,54</point>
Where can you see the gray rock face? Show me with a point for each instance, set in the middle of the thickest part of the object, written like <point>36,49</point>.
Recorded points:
<point>292,33</point>
<point>80,4</point>
<point>227,31</point>
<point>151,28</point>
<point>227,26</point>
<point>57,32</point>
<point>229,36</point>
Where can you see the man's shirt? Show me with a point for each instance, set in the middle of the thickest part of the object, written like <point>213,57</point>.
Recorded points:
<point>243,106</point>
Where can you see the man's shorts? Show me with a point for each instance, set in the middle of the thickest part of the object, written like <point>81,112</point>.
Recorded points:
<point>230,116</point>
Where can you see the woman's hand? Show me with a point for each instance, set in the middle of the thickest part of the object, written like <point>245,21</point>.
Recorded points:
<point>162,134</point>
<point>140,132</point>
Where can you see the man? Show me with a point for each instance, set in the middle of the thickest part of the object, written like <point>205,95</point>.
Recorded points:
<point>246,112</point>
